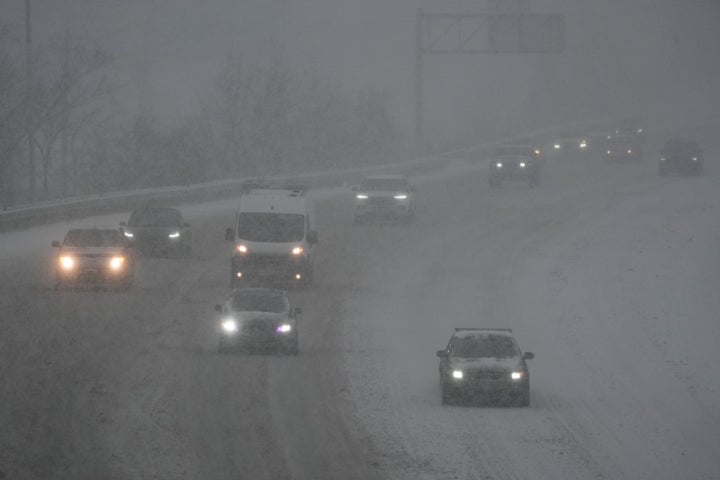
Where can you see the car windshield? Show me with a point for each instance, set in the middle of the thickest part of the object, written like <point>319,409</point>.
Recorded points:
<point>679,146</point>
<point>271,227</point>
<point>484,346</point>
<point>259,302</point>
<point>93,238</point>
<point>383,184</point>
<point>156,217</point>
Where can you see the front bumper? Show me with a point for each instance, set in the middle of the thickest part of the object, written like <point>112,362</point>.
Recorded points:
<point>279,267</point>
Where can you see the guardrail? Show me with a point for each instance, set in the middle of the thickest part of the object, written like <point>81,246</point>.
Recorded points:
<point>27,216</point>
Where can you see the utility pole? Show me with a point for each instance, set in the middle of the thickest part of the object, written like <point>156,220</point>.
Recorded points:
<point>30,119</point>
<point>419,140</point>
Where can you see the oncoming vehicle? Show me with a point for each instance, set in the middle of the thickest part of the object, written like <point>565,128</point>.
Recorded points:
<point>681,156</point>
<point>567,148</point>
<point>514,162</point>
<point>93,256</point>
<point>485,364</point>
<point>158,230</point>
<point>622,148</point>
<point>274,236</point>
<point>630,126</point>
<point>258,318</point>
<point>389,197</point>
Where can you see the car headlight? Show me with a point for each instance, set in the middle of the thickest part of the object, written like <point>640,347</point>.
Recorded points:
<point>522,164</point>
<point>629,151</point>
<point>537,151</point>
<point>128,234</point>
<point>583,144</point>
<point>298,250</point>
<point>662,159</point>
<point>361,196</point>
<point>229,325</point>
<point>116,263</point>
<point>498,165</point>
<point>556,146</point>
<point>694,159</point>
<point>284,328</point>
<point>457,374</point>
<point>174,235</point>
<point>517,375</point>
<point>67,262</point>
<point>609,152</point>
<point>401,196</point>
<point>640,130</point>
<point>241,247</point>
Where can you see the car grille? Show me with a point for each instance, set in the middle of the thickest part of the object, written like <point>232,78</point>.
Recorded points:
<point>93,262</point>
<point>487,375</point>
<point>381,201</point>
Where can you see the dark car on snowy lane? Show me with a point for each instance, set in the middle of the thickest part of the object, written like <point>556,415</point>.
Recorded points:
<point>159,231</point>
<point>680,156</point>
<point>484,364</point>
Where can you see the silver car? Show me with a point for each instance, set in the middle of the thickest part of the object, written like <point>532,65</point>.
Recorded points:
<point>384,197</point>
<point>258,319</point>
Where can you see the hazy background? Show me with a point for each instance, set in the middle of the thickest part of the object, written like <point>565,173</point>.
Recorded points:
<point>652,58</point>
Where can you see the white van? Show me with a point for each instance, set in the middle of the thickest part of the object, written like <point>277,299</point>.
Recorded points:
<point>274,236</point>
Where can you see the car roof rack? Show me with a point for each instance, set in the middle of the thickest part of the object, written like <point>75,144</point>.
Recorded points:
<point>467,329</point>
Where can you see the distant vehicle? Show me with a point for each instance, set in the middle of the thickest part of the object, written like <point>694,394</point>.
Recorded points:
<point>384,197</point>
<point>680,156</point>
<point>484,364</point>
<point>92,256</point>
<point>630,126</point>
<point>567,148</point>
<point>158,231</point>
<point>258,319</point>
<point>622,148</point>
<point>593,142</point>
<point>274,236</point>
<point>514,162</point>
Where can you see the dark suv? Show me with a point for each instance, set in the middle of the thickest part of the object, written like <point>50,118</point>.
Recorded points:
<point>484,364</point>
<point>159,230</point>
<point>681,156</point>
<point>514,162</point>
<point>258,319</point>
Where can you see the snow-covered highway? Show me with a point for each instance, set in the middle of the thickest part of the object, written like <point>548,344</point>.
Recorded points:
<point>608,273</point>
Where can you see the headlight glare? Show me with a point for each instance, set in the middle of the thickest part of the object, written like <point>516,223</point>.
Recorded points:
<point>242,248</point>
<point>174,235</point>
<point>229,325</point>
<point>129,234</point>
<point>457,374</point>
<point>517,375</point>
<point>401,196</point>
<point>284,328</point>
<point>298,250</point>
<point>67,262</point>
<point>116,263</point>
<point>522,164</point>
<point>498,164</point>
<point>694,159</point>
<point>361,196</point>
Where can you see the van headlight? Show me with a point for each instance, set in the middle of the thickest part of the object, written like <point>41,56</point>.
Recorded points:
<point>400,196</point>
<point>241,248</point>
<point>522,164</point>
<point>361,196</point>
<point>517,375</point>
<point>298,250</point>
<point>229,325</point>
<point>174,235</point>
<point>284,328</point>
<point>457,374</point>
<point>128,234</point>
<point>498,165</point>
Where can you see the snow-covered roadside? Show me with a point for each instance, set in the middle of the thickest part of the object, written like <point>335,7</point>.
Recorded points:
<point>602,283</point>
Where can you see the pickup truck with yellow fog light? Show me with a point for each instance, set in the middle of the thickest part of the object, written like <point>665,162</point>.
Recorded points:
<point>92,256</point>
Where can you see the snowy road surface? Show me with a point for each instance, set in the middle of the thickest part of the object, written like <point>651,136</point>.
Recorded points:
<point>608,273</point>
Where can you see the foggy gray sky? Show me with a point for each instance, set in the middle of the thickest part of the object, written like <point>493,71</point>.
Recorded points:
<point>653,58</point>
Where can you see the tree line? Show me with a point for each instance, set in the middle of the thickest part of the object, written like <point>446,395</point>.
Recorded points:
<point>256,120</point>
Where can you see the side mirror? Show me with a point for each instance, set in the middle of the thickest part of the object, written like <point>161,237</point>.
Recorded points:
<point>297,311</point>
<point>529,356</point>
<point>442,353</point>
<point>218,308</point>
<point>312,237</point>
<point>55,243</point>
<point>123,224</point>
<point>229,234</point>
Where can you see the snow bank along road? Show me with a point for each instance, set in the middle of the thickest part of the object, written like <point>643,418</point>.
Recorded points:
<point>607,272</point>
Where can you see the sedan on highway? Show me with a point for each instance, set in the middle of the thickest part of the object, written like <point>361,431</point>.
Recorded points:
<point>384,197</point>
<point>258,319</point>
<point>514,162</point>
<point>159,231</point>
<point>620,148</point>
<point>95,257</point>
<point>484,364</point>
<point>680,156</point>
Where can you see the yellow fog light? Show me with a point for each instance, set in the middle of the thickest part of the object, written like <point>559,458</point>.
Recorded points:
<point>68,263</point>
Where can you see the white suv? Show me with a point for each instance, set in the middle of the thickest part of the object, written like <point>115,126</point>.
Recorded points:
<point>389,197</point>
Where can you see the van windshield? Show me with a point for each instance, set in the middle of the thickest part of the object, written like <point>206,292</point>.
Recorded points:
<point>271,227</point>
